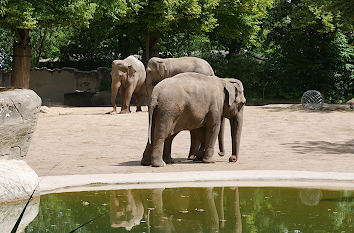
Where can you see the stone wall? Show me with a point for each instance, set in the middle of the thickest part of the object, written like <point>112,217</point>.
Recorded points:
<point>51,85</point>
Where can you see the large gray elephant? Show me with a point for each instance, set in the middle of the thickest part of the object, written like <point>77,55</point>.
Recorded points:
<point>129,74</point>
<point>190,101</point>
<point>158,69</point>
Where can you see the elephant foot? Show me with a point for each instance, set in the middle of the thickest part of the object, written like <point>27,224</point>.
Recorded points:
<point>211,160</point>
<point>125,111</point>
<point>169,161</point>
<point>233,159</point>
<point>159,163</point>
<point>221,153</point>
<point>112,112</point>
<point>145,162</point>
<point>191,157</point>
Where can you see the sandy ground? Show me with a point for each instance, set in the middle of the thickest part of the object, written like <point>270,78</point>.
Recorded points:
<point>275,137</point>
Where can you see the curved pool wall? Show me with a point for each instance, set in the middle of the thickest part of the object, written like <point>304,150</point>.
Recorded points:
<point>245,178</point>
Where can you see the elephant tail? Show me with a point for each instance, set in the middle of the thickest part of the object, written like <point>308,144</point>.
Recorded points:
<point>152,106</point>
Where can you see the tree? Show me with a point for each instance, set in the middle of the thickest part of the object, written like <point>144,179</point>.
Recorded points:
<point>308,50</point>
<point>156,18</point>
<point>239,23</point>
<point>21,16</point>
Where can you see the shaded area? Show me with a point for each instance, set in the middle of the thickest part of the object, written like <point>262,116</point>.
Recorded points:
<point>323,147</point>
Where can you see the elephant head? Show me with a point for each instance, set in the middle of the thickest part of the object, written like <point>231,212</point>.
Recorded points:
<point>121,71</point>
<point>233,110</point>
<point>156,70</point>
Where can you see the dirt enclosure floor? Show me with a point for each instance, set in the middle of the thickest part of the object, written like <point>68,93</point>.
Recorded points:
<point>275,137</point>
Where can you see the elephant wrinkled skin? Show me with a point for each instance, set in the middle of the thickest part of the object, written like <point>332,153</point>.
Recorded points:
<point>129,74</point>
<point>190,101</point>
<point>158,69</point>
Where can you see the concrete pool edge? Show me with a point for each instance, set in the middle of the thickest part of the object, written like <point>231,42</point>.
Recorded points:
<point>245,178</point>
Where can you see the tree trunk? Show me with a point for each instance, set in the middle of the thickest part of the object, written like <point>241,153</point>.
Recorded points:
<point>234,48</point>
<point>150,47</point>
<point>21,66</point>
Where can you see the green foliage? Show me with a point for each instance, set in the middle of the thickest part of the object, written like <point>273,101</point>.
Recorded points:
<point>32,14</point>
<point>6,43</point>
<point>239,22</point>
<point>48,42</point>
<point>302,57</point>
<point>247,67</point>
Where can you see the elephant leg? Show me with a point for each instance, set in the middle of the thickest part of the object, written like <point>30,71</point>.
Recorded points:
<point>211,132</point>
<point>156,153</point>
<point>137,100</point>
<point>162,127</point>
<point>149,87</point>
<point>146,160</point>
<point>125,101</point>
<point>196,141</point>
<point>167,149</point>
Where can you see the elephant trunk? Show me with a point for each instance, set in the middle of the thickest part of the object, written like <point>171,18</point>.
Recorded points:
<point>236,129</point>
<point>115,87</point>
<point>221,137</point>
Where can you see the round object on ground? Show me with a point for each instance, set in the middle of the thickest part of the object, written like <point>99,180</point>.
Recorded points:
<point>312,100</point>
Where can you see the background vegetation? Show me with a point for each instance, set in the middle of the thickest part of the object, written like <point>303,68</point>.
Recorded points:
<point>277,48</point>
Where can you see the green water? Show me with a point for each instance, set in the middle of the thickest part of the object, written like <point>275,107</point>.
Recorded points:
<point>228,209</point>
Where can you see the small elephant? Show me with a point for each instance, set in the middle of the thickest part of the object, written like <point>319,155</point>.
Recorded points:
<point>190,101</point>
<point>129,74</point>
<point>158,69</point>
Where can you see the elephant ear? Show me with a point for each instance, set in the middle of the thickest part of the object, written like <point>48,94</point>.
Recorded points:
<point>239,95</point>
<point>229,93</point>
<point>131,71</point>
<point>162,69</point>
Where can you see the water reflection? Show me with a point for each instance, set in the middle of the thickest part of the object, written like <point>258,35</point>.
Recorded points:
<point>177,210</point>
<point>218,209</point>
<point>126,209</point>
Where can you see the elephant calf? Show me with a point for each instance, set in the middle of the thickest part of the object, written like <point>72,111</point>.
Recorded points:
<point>191,101</point>
<point>129,74</point>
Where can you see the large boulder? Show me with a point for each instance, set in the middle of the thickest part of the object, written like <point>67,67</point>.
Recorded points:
<point>10,212</point>
<point>19,110</point>
<point>17,180</point>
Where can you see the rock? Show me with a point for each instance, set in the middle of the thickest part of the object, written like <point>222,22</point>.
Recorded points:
<point>17,180</point>
<point>44,109</point>
<point>19,110</point>
<point>9,213</point>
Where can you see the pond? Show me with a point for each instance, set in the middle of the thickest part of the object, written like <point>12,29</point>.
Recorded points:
<point>219,209</point>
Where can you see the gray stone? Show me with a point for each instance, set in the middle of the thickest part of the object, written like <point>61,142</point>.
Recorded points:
<point>17,180</point>
<point>10,212</point>
<point>19,110</point>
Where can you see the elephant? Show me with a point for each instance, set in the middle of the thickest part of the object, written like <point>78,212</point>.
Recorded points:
<point>190,101</point>
<point>158,69</point>
<point>129,74</point>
